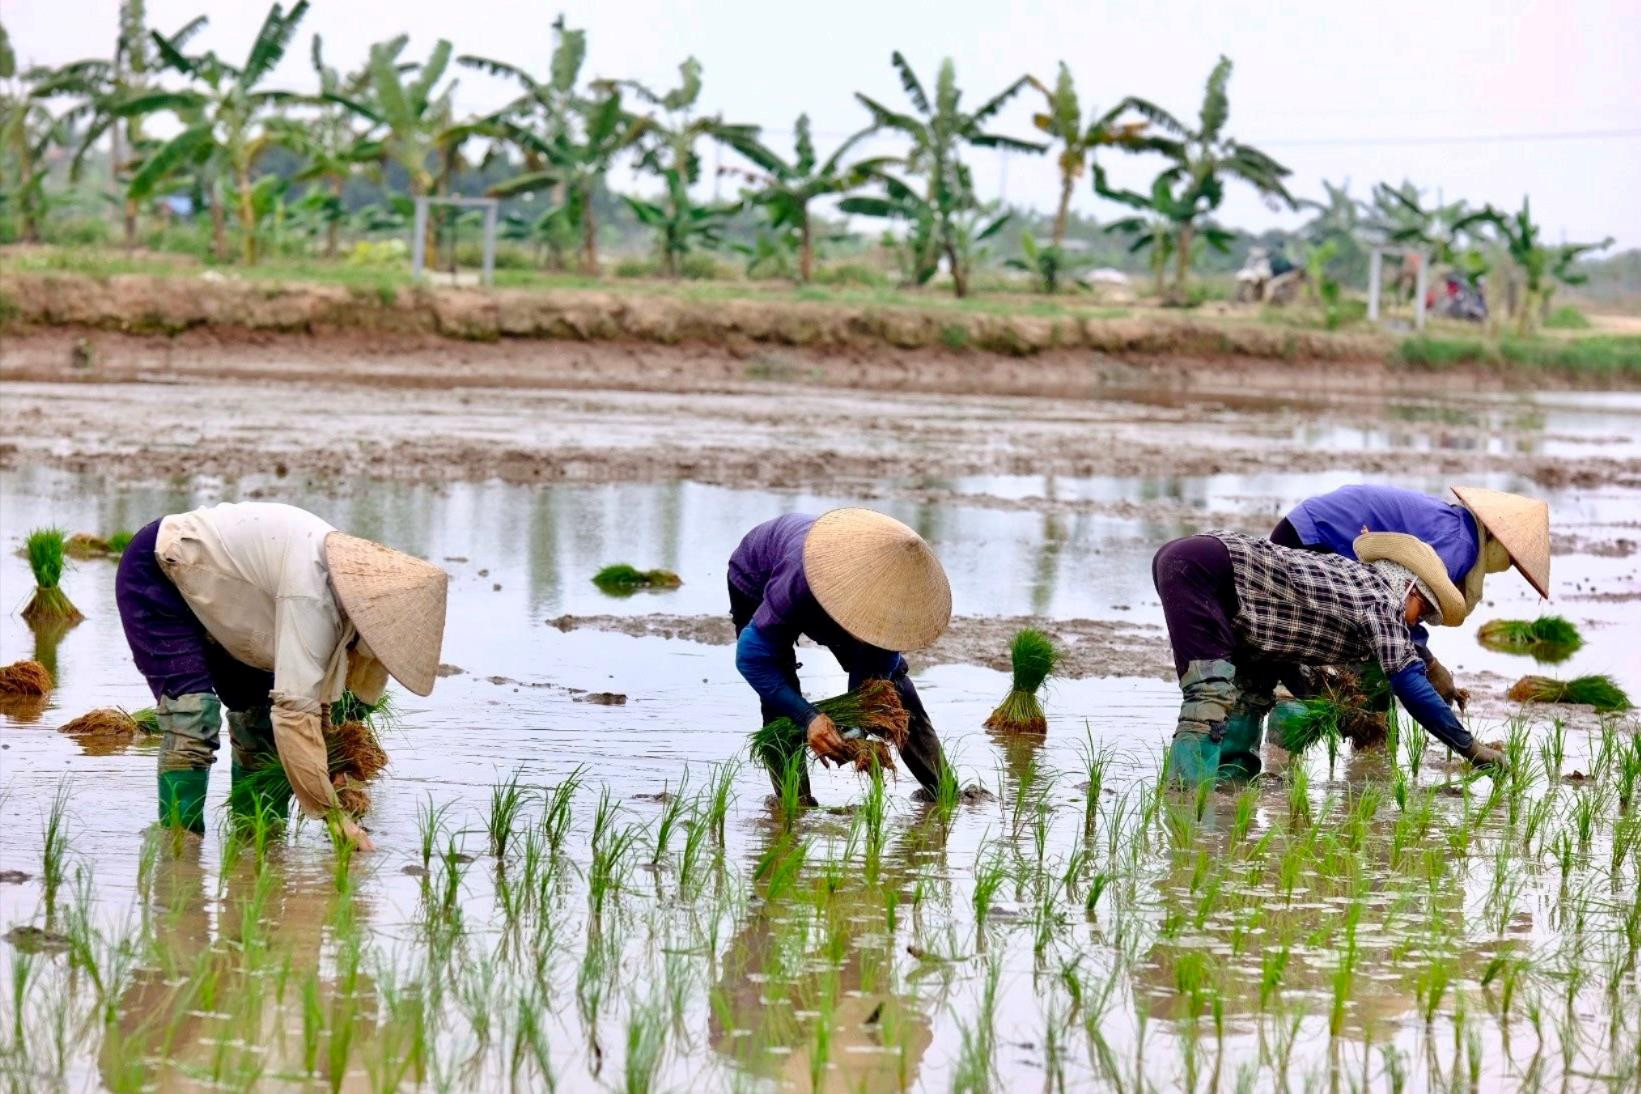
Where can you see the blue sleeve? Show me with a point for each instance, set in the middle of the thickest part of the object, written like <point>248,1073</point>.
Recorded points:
<point>759,661</point>
<point>1413,689</point>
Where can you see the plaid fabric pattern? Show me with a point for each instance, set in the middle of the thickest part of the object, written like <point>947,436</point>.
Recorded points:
<point>1315,608</point>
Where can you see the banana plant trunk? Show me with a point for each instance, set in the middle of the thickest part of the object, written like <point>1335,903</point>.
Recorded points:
<point>589,237</point>
<point>1062,215</point>
<point>219,223</point>
<point>29,197</point>
<point>806,249</point>
<point>247,212</point>
<point>333,230</point>
<point>1182,259</point>
<point>960,273</point>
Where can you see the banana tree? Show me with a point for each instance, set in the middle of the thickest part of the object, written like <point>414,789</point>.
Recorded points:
<point>1168,222</point>
<point>331,143</point>
<point>28,130</point>
<point>932,232</point>
<point>1080,139</point>
<point>416,119</point>
<point>787,188</point>
<point>1204,159</point>
<point>667,149</point>
<point>569,139</point>
<point>938,130</point>
<point>223,117</point>
<point>1542,267</point>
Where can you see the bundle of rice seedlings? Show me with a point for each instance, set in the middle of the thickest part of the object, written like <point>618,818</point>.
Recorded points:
<point>147,720</point>
<point>351,795</point>
<point>25,678</point>
<point>1548,638</point>
<point>870,719</point>
<point>1351,706</point>
<point>1033,656</point>
<point>103,731</point>
<point>83,545</point>
<point>621,579</point>
<point>119,541</point>
<point>1600,692</point>
<point>353,750</point>
<point>45,557</point>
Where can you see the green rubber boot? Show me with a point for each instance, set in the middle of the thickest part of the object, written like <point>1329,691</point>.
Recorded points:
<point>1244,734</point>
<point>189,726</point>
<point>182,799</point>
<point>255,790</point>
<point>1208,691</point>
<point>1287,717</point>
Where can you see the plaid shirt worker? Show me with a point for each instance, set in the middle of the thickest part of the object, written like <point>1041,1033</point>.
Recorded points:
<point>1314,608</point>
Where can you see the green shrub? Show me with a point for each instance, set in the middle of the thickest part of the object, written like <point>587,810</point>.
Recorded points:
<point>955,336</point>
<point>851,273</point>
<point>1567,317</point>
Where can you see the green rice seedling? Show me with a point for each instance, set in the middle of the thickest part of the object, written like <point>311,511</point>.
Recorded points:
<point>1033,657</point>
<point>608,867</point>
<point>1095,764</point>
<point>1247,804</point>
<point>667,823</point>
<point>54,847</point>
<point>1552,749</point>
<point>988,879</point>
<point>1629,773</point>
<point>1097,886</point>
<point>44,547</point>
<point>430,824</point>
<point>947,792</point>
<point>1299,795</point>
<point>507,801</point>
<point>1414,741</point>
<point>1601,692</point>
<point>869,719</point>
<point>874,809</point>
<point>556,817</point>
<point>1547,638</point>
<point>620,579</point>
<point>720,792</point>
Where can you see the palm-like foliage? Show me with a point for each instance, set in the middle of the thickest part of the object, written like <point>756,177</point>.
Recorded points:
<point>1079,137</point>
<point>222,114</point>
<point>1541,266</point>
<point>1398,214</point>
<point>938,130</point>
<point>1188,192</point>
<point>668,150</point>
<point>28,130</point>
<point>787,188</point>
<point>1338,222</point>
<point>568,138</point>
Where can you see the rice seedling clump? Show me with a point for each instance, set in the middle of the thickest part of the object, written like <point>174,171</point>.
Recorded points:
<point>1033,657</point>
<point>1600,692</point>
<point>25,678</point>
<point>1349,706</point>
<point>50,604</point>
<point>1548,638</point>
<point>621,579</point>
<point>110,723</point>
<point>870,719</point>
<point>87,545</point>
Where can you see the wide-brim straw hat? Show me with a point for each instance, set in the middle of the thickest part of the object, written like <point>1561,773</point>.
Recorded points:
<point>396,601</point>
<point>1421,558</point>
<point>877,579</point>
<point>1520,523</point>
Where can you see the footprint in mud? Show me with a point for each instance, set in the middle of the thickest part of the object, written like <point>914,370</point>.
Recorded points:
<point>13,877</point>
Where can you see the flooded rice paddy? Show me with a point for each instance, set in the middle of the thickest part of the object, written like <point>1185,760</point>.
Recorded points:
<point>585,896</point>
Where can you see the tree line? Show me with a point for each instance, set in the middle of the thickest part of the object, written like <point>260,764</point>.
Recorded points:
<point>562,134</point>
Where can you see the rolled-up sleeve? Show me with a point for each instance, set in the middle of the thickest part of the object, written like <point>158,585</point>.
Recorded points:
<point>300,741</point>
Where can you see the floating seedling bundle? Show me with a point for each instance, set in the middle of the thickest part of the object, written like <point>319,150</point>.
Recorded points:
<point>104,730</point>
<point>86,545</point>
<point>24,678</point>
<point>1033,657</point>
<point>870,719</point>
<point>1600,692</point>
<point>50,604</point>
<point>624,580</point>
<point>1547,638</point>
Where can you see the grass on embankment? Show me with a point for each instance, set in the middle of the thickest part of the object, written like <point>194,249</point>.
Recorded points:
<point>1608,356</point>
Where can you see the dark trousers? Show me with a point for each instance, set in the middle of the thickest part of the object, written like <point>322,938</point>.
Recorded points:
<point>1193,577</point>
<point>168,642</point>
<point>921,753</point>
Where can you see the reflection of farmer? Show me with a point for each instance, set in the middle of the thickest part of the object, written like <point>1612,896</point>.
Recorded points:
<point>1233,602</point>
<point>858,582</point>
<point>270,611</point>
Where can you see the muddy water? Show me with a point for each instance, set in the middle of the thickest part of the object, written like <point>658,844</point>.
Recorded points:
<point>880,976</point>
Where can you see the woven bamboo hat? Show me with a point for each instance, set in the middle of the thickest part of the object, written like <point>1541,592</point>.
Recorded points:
<point>397,603</point>
<point>877,578</point>
<point>1426,565</point>
<point>1522,524</point>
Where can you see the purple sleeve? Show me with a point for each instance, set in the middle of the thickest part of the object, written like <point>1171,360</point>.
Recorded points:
<point>785,598</point>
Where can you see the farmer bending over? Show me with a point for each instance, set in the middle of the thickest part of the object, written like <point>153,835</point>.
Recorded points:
<point>1235,604</point>
<point>268,610</point>
<point>858,582</point>
<point>1487,532</point>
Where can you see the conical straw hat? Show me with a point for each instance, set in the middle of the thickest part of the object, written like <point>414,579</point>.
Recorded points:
<point>1422,559</point>
<point>878,579</point>
<point>1522,524</point>
<point>397,603</point>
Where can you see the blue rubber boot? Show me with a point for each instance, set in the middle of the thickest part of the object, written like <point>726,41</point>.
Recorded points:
<point>1208,691</point>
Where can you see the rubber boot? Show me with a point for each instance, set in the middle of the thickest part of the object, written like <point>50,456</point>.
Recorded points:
<point>254,789</point>
<point>1208,692</point>
<point>1244,734</point>
<point>190,725</point>
<point>1286,715</point>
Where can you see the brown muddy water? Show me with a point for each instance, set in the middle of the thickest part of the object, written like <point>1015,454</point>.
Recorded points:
<point>1376,921</point>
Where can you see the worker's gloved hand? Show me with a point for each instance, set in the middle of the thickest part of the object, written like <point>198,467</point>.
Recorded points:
<point>1486,757</point>
<point>825,741</point>
<point>1442,681</point>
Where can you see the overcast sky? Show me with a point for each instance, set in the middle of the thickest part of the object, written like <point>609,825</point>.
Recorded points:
<point>1482,100</point>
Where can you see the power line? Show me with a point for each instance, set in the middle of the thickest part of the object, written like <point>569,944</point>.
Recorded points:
<point>1467,138</point>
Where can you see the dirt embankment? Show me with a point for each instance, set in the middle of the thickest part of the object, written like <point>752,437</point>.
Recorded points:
<point>147,304</point>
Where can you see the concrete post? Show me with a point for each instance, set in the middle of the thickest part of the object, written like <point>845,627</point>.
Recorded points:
<point>1376,271</point>
<point>1421,285</point>
<point>418,239</point>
